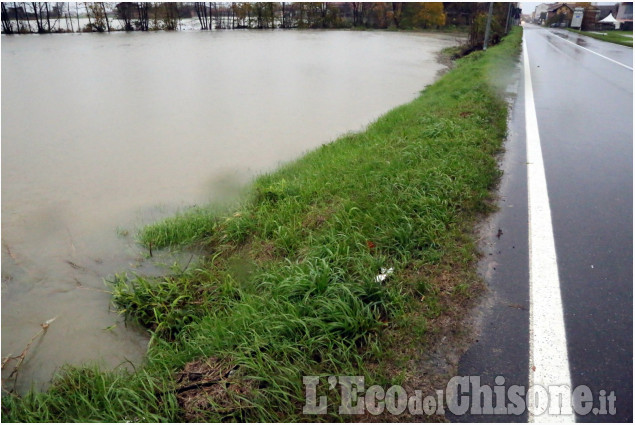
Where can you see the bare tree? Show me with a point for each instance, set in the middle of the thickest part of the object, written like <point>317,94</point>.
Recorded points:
<point>90,23</point>
<point>218,23</point>
<point>233,14</point>
<point>100,22</point>
<point>99,15</point>
<point>201,12</point>
<point>7,26</point>
<point>103,7</point>
<point>356,6</point>
<point>264,14</point>
<point>397,10</point>
<point>142,13</point>
<point>155,16</point>
<point>26,14</point>
<point>37,13</point>
<point>70,17</point>
<point>48,17</point>
<point>170,15</point>
<point>58,12</point>
<point>124,11</point>
<point>16,12</point>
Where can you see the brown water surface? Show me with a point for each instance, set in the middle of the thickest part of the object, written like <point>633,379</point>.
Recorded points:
<point>102,133</point>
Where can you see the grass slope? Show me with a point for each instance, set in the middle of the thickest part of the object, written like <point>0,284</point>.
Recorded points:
<point>617,37</point>
<point>288,288</point>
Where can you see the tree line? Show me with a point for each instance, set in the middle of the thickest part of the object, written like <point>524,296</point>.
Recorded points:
<point>59,17</point>
<point>49,17</point>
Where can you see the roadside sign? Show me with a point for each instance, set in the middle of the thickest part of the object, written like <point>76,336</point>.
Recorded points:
<point>578,14</point>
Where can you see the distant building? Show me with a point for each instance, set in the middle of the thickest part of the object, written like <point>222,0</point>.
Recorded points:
<point>625,16</point>
<point>591,17</point>
<point>19,10</point>
<point>560,13</point>
<point>540,13</point>
<point>606,9</point>
<point>623,12</point>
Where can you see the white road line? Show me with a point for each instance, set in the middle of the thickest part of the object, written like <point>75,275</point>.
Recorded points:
<point>596,53</point>
<point>548,358</point>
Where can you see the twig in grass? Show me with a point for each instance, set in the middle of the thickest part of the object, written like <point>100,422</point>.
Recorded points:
<point>126,360</point>
<point>197,385</point>
<point>198,375</point>
<point>20,358</point>
<point>6,360</point>
<point>188,264</point>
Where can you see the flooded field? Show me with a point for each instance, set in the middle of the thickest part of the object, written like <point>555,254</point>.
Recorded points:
<point>102,133</point>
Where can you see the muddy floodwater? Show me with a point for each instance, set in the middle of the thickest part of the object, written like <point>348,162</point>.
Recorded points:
<point>102,133</point>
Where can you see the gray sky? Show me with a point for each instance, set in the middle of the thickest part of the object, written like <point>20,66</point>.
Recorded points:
<point>529,6</point>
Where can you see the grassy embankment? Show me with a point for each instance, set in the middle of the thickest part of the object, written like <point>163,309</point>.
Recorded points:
<point>288,288</point>
<point>617,37</point>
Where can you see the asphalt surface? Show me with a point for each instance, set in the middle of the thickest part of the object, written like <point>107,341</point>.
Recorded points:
<point>584,106</point>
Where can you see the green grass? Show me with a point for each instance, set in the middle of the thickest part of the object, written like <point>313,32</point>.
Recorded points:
<point>617,37</point>
<point>288,288</point>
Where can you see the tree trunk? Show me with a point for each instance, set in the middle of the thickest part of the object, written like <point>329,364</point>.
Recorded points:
<point>6,21</point>
<point>39,19</point>
<point>284,22</point>
<point>215,16</point>
<point>103,7</point>
<point>142,10</point>
<point>197,9</point>
<point>355,6</point>
<point>396,12</point>
<point>17,18</point>
<point>90,23</point>
<point>204,12</point>
<point>70,17</point>
<point>35,14</point>
<point>273,16</point>
<point>28,21</point>
<point>48,18</point>
<point>233,15</point>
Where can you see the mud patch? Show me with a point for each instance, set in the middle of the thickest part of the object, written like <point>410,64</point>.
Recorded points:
<point>213,385</point>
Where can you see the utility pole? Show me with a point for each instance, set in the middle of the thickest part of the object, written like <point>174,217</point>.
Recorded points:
<point>509,12</point>
<point>489,23</point>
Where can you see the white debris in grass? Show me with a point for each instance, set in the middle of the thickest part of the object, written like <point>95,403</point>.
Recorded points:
<point>384,274</point>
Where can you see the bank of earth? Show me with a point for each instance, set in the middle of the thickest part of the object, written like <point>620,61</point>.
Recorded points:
<point>357,259</point>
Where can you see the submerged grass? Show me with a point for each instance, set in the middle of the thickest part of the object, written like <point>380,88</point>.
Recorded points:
<point>288,286</point>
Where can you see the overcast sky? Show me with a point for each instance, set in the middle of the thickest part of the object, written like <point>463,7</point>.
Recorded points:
<point>529,6</point>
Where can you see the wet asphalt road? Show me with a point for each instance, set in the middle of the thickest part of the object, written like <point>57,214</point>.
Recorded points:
<point>584,106</point>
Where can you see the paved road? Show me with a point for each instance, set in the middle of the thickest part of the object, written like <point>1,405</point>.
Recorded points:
<point>584,109</point>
